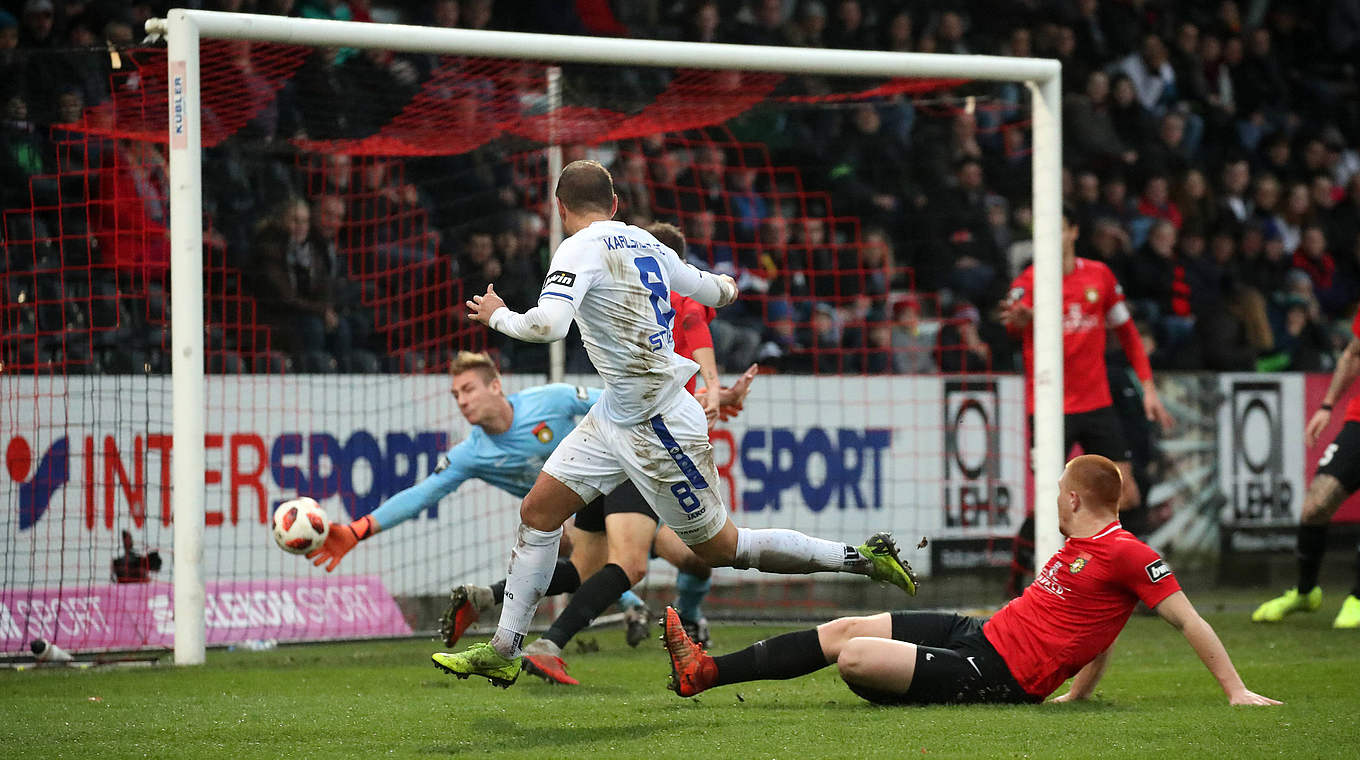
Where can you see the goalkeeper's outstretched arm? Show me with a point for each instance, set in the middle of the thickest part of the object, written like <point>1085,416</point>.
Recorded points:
<point>396,510</point>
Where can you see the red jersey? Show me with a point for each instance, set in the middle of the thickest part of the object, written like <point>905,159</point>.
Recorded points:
<point>691,328</point>
<point>1092,300</point>
<point>1353,408</point>
<point>1077,606</point>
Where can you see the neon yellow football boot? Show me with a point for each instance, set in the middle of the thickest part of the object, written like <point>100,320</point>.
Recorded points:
<point>1349,616</point>
<point>480,660</point>
<point>885,564</point>
<point>1289,602</point>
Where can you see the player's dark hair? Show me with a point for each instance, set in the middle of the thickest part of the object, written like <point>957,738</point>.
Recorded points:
<point>585,186</point>
<point>668,235</point>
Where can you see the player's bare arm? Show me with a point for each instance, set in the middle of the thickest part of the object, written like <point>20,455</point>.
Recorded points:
<point>1177,610</point>
<point>1153,407</point>
<point>708,370</point>
<point>1084,682</point>
<point>1347,368</point>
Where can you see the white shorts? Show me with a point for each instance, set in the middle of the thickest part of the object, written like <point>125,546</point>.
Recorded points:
<point>668,458</point>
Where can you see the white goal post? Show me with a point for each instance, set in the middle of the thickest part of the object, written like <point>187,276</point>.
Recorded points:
<point>183,29</point>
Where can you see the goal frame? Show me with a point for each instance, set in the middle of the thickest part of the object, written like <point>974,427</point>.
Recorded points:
<point>184,29</point>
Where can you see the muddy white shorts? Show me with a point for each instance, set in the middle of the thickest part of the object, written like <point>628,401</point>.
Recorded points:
<point>668,458</point>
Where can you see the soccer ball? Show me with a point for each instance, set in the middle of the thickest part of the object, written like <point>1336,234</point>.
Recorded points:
<point>300,525</point>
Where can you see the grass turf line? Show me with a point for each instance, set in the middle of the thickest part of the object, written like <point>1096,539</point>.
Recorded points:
<point>386,700</point>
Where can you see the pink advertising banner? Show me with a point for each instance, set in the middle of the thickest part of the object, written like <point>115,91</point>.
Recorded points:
<point>140,615</point>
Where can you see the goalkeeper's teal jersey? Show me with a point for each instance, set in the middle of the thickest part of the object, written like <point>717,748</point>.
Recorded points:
<point>510,461</point>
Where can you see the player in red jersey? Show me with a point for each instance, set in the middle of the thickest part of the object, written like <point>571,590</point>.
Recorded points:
<point>1062,626</point>
<point>1092,302</point>
<point>1337,477</point>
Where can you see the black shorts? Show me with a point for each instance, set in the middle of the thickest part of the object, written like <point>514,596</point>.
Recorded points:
<point>625,498</point>
<point>1099,431</point>
<point>1341,458</point>
<point>955,664</point>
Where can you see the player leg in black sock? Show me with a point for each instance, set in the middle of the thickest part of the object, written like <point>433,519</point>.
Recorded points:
<point>786,656</point>
<point>1312,544</point>
<point>593,597</point>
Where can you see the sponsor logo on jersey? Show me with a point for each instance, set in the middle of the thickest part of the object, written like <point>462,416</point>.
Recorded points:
<point>1078,564</point>
<point>1091,295</point>
<point>565,279</point>
<point>443,463</point>
<point>1076,320</point>
<point>1048,579</point>
<point>543,433</point>
<point>582,393</point>
<point>1157,570</point>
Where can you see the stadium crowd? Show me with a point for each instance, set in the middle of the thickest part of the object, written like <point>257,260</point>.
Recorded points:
<point>1210,151</point>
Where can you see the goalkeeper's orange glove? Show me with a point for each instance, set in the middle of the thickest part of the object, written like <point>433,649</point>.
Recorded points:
<point>340,540</point>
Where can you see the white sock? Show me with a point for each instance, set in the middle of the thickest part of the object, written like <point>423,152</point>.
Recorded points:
<point>777,550</point>
<point>531,568</point>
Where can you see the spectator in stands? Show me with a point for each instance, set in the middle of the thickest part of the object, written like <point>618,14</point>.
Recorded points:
<point>898,33</point>
<point>809,26</point>
<point>1155,202</point>
<point>950,30</point>
<point>1313,258</point>
<point>973,258</point>
<point>870,168</point>
<point>959,348</point>
<point>1195,200</point>
<point>1259,90</point>
<point>1234,201</point>
<point>827,339</point>
<point>913,348</point>
<point>1089,129</point>
<point>1150,72</point>
<point>477,264</point>
<point>24,157</point>
<point>1301,343</point>
<point>848,30</point>
<point>767,24</point>
<point>1297,213</point>
<point>630,184</point>
<point>1245,302</point>
<point>703,24</point>
<point>1153,285</point>
<point>1131,121</point>
<point>749,207</point>
<point>1167,155</point>
<point>293,284</point>
<point>12,63</point>
<point>702,184</point>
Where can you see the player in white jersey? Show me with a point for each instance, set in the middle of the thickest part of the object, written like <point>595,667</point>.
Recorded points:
<point>615,280</point>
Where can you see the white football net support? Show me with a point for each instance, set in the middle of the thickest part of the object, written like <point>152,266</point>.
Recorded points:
<point>185,28</point>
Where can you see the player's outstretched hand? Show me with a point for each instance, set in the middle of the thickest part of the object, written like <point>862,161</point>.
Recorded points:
<point>338,543</point>
<point>1316,424</point>
<point>734,397</point>
<point>1065,698</point>
<point>1249,697</point>
<point>1016,315</point>
<point>1155,410</point>
<point>480,308</point>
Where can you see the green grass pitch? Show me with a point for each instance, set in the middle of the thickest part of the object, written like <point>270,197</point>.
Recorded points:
<point>386,700</point>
